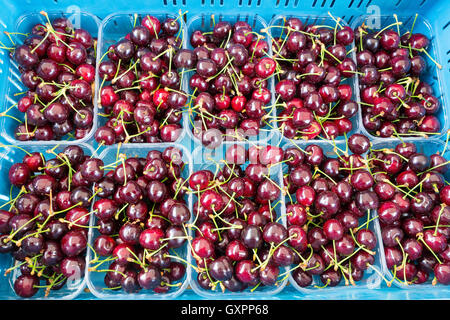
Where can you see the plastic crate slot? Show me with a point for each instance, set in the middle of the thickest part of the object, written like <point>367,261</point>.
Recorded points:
<point>323,3</point>
<point>174,2</point>
<point>407,21</point>
<point>286,3</point>
<point>398,3</point>
<point>359,4</point>
<point>350,4</point>
<point>165,2</point>
<point>277,3</point>
<point>314,3</point>
<point>368,3</point>
<point>350,19</point>
<point>254,22</point>
<point>258,3</point>
<point>446,25</point>
<point>332,3</point>
<point>422,3</point>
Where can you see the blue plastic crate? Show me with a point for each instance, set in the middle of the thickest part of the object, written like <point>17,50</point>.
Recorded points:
<point>433,11</point>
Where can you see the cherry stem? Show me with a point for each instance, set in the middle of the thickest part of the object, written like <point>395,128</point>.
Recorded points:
<point>13,201</point>
<point>13,233</point>
<point>420,238</point>
<point>387,27</point>
<point>443,205</point>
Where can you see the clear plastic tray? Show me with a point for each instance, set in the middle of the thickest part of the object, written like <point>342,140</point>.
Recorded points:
<point>95,280</point>
<point>201,158</point>
<point>14,86</point>
<point>433,75</point>
<point>205,22</point>
<point>371,279</point>
<point>428,148</point>
<point>115,27</point>
<point>322,20</point>
<point>72,289</point>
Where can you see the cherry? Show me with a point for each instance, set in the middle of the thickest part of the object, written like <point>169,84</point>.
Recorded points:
<point>130,233</point>
<point>221,269</point>
<point>52,253</point>
<point>251,236</point>
<point>302,278</point>
<point>244,271</point>
<point>389,212</point>
<point>123,252</point>
<point>149,278</point>
<point>73,243</point>
<point>362,180</point>
<point>327,203</point>
<point>73,267</point>
<point>430,124</point>
<point>202,247</point>
<point>421,204</point>
<point>317,238</point>
<point>25,286</point>
<point>436,242</point>
<point>391,235</point>
<point>104,245</point>
<point>274,232</point>
<point>333,229</point>
<point>442,273</point>
<point>406,272</point>
<point>366,238</point>
<point>105,135</point>
<point>19,174</point>
<point>283,256</point>
<point>413,248</point>
<point>362,259</point>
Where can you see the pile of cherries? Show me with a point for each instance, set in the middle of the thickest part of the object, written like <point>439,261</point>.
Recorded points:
<point>395,100</point>
<point>141,216</point>
<point>57,65</point>
<point>312,93</point>
<point>414,213</point>
<point>140,92</point>
<point>45,227</point>
<point>230,82</point>
<point>239,239</point>
<point>329,208</point>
